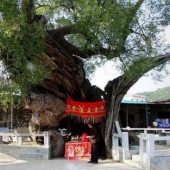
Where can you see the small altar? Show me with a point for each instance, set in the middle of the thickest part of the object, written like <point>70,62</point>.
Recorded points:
<point>78,150</point>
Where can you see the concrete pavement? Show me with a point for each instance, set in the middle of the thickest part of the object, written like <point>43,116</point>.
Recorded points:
<point>62,164</point>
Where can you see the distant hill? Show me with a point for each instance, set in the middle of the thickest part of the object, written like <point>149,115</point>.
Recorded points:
<point>158,95</point>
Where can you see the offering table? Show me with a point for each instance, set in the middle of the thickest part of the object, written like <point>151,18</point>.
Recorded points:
<point>78,150</point>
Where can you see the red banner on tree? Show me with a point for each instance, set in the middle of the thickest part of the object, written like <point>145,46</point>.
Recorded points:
<point>86,109</point>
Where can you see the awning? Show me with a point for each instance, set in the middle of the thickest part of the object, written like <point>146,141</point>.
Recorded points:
<point>86,109</point>
<point>134,102</point>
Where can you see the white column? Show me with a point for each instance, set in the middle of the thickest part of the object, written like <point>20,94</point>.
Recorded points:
<point>150,146</point>
<point>19,140</point>
<point>115,148</point>
<point>125,145</point>
<point>142,143</point>
<point>125,140</point>
<point>46,140</point>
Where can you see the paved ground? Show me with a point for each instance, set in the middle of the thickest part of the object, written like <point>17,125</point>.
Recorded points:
<point>62,164</point>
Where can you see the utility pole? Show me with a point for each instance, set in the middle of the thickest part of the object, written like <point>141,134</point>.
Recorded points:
<point>11,117</point>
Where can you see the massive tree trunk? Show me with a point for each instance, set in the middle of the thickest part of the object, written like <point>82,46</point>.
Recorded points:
<point>116,90</point>
<point>47,99</point>
<point>67,78</point>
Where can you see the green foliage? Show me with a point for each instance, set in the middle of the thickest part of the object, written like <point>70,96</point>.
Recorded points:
<point>139,67</point>
<point>125,29</point>
<point>21,44</point>
<point>92,63</point>
<point>162,94</point>
<point>76,39</point>
<point>10,97</point>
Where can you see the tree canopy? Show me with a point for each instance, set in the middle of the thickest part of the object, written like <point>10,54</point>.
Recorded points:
<point>107,28</point>
<point>100,28</point>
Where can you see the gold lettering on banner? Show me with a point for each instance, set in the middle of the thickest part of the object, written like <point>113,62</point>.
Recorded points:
<point>81,109</point>
<point>96,109</point>
<point>102,107</point>
<point>73,108</point>
<point>89,110</point>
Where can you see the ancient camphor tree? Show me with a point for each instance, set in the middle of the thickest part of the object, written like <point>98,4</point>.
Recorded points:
<point>44,42</point>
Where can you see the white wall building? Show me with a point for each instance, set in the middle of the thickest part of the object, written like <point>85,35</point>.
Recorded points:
<point>135,97</point>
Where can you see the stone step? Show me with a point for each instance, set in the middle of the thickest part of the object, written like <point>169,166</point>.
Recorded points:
<point>136,164</point>
<point>25,153</point>
<point>136,158</point>
<point>4,156</point>
<point>24,156</point>
<point>134,152</point>
<point>30,156</point>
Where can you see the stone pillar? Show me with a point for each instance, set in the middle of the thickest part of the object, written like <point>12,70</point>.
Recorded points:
<point>125,145</point>
<point>19,140</point>
<point>47,144</point>
<point>115,148</point>
<point>125,140</point>
<point>142,143</point>
<point>150,147</point>
<point>46,140</point>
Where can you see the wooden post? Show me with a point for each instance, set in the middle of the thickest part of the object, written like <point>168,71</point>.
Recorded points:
<point>127,115</point>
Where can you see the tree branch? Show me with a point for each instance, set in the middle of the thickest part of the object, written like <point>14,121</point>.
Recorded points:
<point>59,35</point>
<point>128,22</point>
<point>28,9</point>
<point>118,87</point>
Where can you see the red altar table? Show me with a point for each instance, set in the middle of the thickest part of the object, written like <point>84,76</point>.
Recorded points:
<point>78,150</point>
